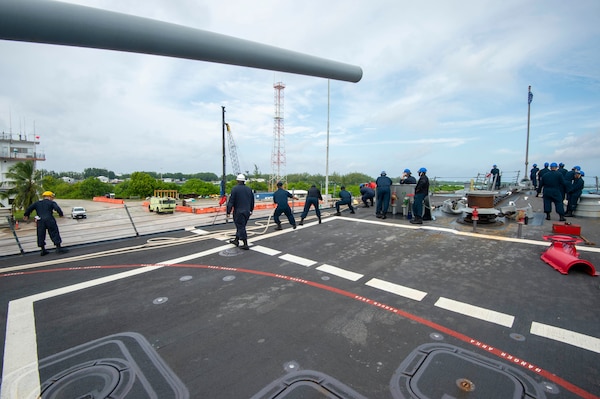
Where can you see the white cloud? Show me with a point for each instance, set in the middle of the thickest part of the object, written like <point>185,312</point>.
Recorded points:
<point>444,86</point>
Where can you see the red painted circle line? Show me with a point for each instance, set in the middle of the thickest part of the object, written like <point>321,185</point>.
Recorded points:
<point>515,361</point>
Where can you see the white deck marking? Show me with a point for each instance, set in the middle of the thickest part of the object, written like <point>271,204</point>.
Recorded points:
<point>458,233</point>
<point>20,367</point>
<point>198,231</point>
<point>265,250</point>
<point>20,346</point>
<point>297,259</point>
<point>343,273</point>
<point>568,337</point>
<point>397,289</point>
<point>20,371</point>
<point>476,312</point>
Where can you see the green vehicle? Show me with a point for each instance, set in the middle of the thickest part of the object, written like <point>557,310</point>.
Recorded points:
<point>162,205</point>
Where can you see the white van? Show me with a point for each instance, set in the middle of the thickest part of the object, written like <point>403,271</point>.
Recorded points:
<point>162,205</point>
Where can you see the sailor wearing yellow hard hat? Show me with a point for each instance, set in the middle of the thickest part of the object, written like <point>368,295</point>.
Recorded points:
<point>45,209</point>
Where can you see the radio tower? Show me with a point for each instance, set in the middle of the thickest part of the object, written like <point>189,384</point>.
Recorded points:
<point>278,154</point>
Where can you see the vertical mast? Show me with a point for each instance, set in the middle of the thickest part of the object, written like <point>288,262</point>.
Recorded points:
<point>529,99</point>
<point>223,177</point>
<point>327,149</point>
<point>278,154</point>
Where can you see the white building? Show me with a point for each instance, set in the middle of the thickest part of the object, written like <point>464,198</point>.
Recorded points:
<point>16,148</point>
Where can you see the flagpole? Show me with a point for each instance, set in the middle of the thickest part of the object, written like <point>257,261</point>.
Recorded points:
<point>529,99</point>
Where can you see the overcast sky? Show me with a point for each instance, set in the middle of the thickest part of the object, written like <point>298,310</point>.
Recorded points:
<point>444,87</point>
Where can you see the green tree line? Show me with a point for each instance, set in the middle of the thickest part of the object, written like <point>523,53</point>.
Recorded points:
<point>25,183</point>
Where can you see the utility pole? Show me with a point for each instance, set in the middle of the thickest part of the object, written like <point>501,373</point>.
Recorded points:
<point>223,177</point>
<point>327,149</point>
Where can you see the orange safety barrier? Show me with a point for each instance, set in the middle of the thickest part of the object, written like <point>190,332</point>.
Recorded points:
<point>209,209</point>
<point>109,200</point>
<point>265,206</point>
<point>213,209</point>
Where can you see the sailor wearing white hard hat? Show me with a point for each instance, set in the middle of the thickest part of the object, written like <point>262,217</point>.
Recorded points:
<point>241,202</point>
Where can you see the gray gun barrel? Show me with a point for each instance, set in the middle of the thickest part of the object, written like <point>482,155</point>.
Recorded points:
<point>54,22</point>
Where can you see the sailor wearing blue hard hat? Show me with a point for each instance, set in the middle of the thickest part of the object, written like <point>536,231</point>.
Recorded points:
<point>383,193</point>
<point>561,168</point>
<point>421,191</point>
<point>570,177</point>
<point>574,192</point>
<point>407,178</point>
<point>533,175</point>
<point>541,173</point>
<point>495,172</point>
<point>554,186</point>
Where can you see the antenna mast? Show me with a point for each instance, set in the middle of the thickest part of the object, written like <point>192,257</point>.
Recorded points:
<point>278,153</point>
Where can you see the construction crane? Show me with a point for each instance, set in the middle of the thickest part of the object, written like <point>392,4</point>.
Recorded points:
<point>235,163</point>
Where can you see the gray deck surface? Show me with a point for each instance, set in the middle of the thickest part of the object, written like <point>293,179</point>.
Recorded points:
<point>353,307</point>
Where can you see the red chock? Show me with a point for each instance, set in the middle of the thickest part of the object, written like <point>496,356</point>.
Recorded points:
<point>562,254</point>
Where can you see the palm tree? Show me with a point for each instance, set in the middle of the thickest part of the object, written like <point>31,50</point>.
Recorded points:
<point>24,184</point>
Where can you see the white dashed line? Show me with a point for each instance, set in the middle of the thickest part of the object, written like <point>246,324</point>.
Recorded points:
<point>297,259</point>
<point>198,231</point>
<point>566,336</point>
<point>397,289</point>
<point>476,312</point>
<point>558,334</point>
<point>265,250</point>
<point>555,333</point>
<point>336,271</point>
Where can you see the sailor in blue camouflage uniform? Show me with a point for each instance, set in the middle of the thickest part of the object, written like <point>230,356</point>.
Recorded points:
<point>533,175</point>
<point>367,195</point>
<point>570,175</point>
<point>384,194</point>
<point>280,197</point>
<point>541,173</point>
<point>407,178</point>
<point>45,209</point>
<point>569,178</point>
<point>574,193</point>
<point>241,202</point>
<point>312,199</point>
<point>495,173</point>
<point>561,169</point>
<point>421,192</point>
<point>553,187</point>
<point>345,199</point>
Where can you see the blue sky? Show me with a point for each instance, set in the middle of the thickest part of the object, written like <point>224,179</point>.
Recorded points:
<point>444,87</point>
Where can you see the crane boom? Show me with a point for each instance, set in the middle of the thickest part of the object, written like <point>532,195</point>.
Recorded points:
<point>235,162</point>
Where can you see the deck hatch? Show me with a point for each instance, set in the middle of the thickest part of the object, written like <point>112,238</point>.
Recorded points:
<point>449,372</point>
